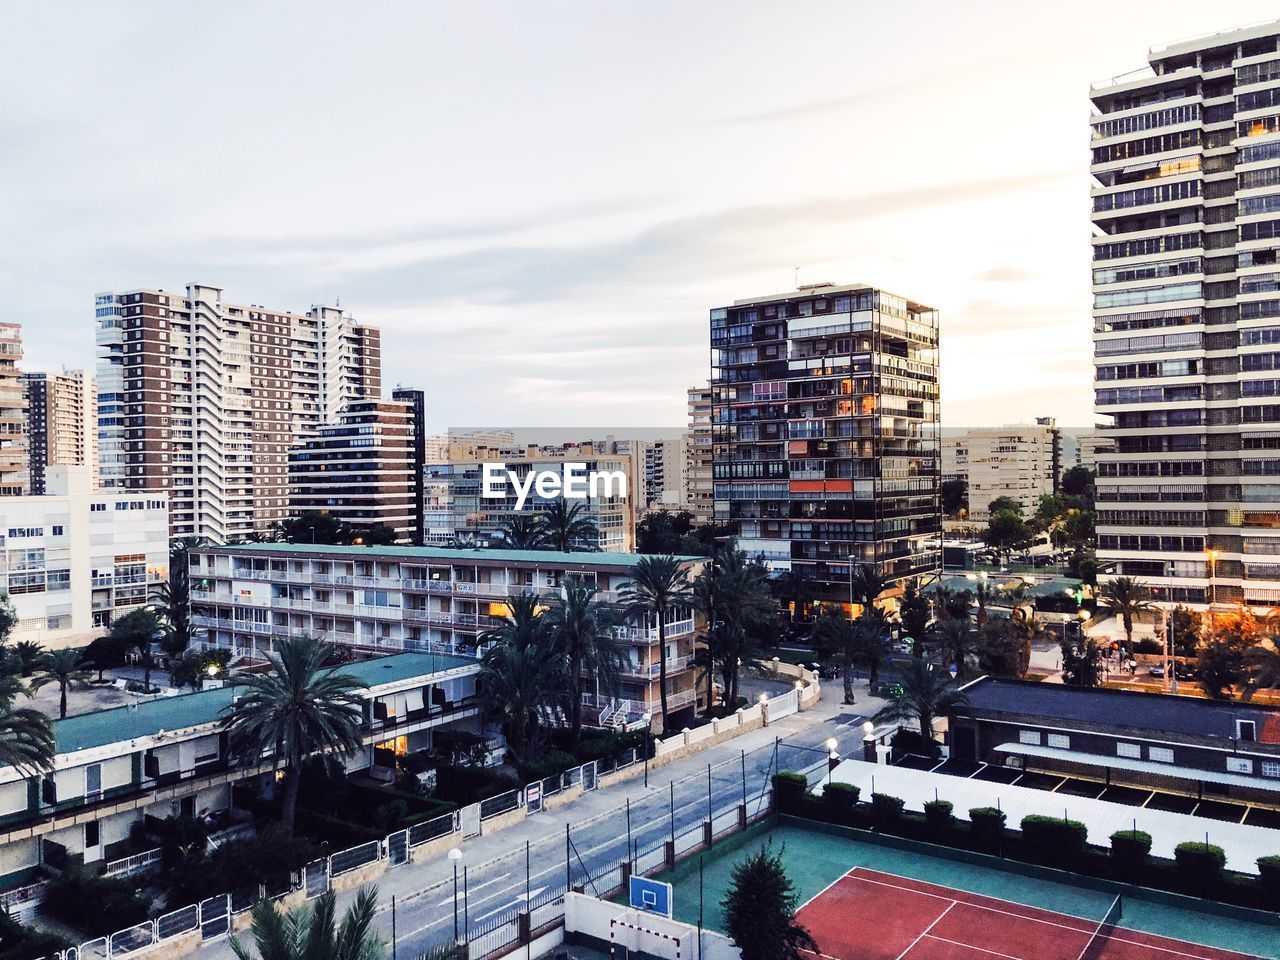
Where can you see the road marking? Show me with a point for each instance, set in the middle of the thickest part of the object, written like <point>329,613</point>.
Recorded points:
<point>475,886</point>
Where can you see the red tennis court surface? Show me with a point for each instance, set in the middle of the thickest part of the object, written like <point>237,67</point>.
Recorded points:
<point>867,915</point>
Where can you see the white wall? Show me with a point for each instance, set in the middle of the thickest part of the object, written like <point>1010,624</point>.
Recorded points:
<point>653,935</point>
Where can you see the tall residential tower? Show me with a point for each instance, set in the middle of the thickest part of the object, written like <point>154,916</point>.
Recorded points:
<point>202,399</point>
<point>62,424</point>
<point>826,433</point>
<point>1186,223</point>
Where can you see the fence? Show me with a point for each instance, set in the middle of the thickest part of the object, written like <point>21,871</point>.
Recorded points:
<point>138,863</point>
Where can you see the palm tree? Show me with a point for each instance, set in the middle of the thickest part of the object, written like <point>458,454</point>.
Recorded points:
<point>27,653</point>
<point>792,589</point>
<point>865,584</point>
<point>733,590</point>
<point>137,630</point>
<point>522,531</point>
<point>658,585</point>
<point>858,643</point>
<point>313,932</point>
<point>955,637</point>
<point>567,526</point>
<point>63,667</point>
<point>1126,597</point>
<point>926,693</point>
<point>520,677</point>
<point>173,596</point>
<point>26,736</point>
<point>583,638</point>
<point>983,593</point>
<point>296,710</point>
<point>1262,664</point>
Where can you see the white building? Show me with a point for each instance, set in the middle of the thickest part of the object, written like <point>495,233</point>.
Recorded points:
<point>1020,462</point>
<point>77,557</point>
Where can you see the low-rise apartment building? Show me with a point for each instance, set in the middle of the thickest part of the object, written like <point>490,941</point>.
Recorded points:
<point>79,557</point>
<point>429,599</point>
<point>115,768</point>
<point>1177,744</point>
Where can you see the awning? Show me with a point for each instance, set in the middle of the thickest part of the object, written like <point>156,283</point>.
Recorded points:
<point>1143,766</point>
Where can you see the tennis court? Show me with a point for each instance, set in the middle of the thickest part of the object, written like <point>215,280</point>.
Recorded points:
<point>871,915</point>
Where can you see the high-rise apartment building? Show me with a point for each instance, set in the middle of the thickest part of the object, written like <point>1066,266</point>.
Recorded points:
<point>1020,462</point>
<point>826,433</point>
<point>202,399</point>
<point>367,468</point>
<point>62,423</point>
<point>664,472</point>
<point>1186,217</point>
<point>699,498</point>
<point>13,414</point>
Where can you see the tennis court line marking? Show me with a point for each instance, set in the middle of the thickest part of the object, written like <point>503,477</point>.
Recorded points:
<point>975,948</point>
<point>1021,916</point>
<point>925,932</point>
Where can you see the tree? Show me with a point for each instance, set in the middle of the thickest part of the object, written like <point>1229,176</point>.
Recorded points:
<point>760,910</point>
<point>1126,597</point>
<point>63,667</point>
<point>27,654</point>
<point>1262,668</point>
<point>521,678</point>
<point>583,638</point>
<point>915,615</point>
<point>1000,649</point>
<point>1220,667</point>
<point>173,596</point>
<point>952,604</point>
<point>658,586</point>
<point>927,692</point>
<point>865,584</point>
<point>8,618</point>
<point>313,932</point>
<point>733,594</point>
<point>371,534</point>
<point>312,526</point>
<point>983,593</point>
<point>792,589</point>
<point>138,630</point>
<point>298,709</point>
<point>1005,504</point>
<point>1006,531</point>
<point>1081,662</point>
<point>568,527</point>
<point>860,642</point>
<point>955,497</point>
<point>522,531</point>
<point>1078,482</point>
<point>26,736</point>
<point>955,640</point>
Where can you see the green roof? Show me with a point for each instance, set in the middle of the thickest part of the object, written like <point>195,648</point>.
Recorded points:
<point>149,717</point>
<point>546,558</point>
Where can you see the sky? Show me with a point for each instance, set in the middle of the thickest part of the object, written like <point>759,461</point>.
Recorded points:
<point>539,202</point>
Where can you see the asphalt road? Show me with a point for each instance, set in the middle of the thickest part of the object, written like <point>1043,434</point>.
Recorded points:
<point>500,868</point>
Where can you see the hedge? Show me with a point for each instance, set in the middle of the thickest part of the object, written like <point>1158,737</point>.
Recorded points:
<point>1054,840</point>
<point>1269,871</point>
<point>789,789</point>
<point>841,798</point>
<point>18,942</point>
<point>1131,848</point>
<point>988,825</point>
<point>97,906</point>
<point>886,809</point>
<point>1200,863</point>
<point>938,814</point>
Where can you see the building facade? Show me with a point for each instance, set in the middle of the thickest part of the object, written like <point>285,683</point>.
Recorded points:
<point>1020,462</point>
<point>699,494</point>
<point>119,771</point>
<point>14,480</point>
<point>1186,216</point>
<point>826,433</point>
<point>62,423</point>
<point>202,399</point>
<point>366,469</point>
<point>77,557</point>
<point>384,599</point>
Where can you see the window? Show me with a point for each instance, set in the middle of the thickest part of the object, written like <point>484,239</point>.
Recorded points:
<point>1129,750</point>
<point>57,530</point>
<point>1060,740</point>
<point>1239,765</point>
<point>1160,754</point>
<point>1246,730</point>
<point>1029,736</point>
<point>92,834</point>
<point>1271,768</point>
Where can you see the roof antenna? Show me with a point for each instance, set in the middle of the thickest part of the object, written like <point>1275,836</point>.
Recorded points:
<point>797,278</point>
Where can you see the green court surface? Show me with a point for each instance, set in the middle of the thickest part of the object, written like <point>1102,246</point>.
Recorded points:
<point>815,859</point>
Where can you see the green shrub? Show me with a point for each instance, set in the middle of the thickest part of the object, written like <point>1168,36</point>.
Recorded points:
<point>987,824</point>
<point>1200,863</point>
<point>467,785</point>
<point>789,789</point>
<point>95,905</point>
<point>269,859</point>
<point>1269,873</point>
<point>938,814</point>
<point>910,741</point>
<point>22,943</point>
<point>840,798</point>
<point>1054,840</point>
<point>549,764</point>
<point>885,809</point>
<point>1130,848</point>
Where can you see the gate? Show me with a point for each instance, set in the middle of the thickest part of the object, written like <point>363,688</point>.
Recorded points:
<point>398,848</point>
<point>588,776</point>
<point>317,878</point>
<point>784,706</point>
<point>215,917</point>
<point>471,821</point>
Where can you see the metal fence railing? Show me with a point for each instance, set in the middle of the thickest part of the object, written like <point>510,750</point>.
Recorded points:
<point>502,803</point>
<point>344,861</point>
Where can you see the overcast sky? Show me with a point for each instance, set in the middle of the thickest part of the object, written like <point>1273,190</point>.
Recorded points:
<point>538,202</point>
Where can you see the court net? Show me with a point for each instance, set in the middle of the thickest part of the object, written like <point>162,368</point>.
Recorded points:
<point>1093,949</point>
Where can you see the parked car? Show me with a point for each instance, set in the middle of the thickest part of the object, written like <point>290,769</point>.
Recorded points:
<point>1157,671</point>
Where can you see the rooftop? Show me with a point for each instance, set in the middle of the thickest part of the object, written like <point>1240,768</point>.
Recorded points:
<point>544,558</point>
<point>150,717</point>
<point>1163,714</point>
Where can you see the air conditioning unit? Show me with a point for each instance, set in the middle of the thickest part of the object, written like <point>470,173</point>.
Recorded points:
<point>1014,762</point>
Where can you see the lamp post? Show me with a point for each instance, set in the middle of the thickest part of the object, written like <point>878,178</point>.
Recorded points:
<point>868,741</point>
<point>454,856</point>
<point>648,745</point>
<point>1213,587</point>
<point>833,757</point>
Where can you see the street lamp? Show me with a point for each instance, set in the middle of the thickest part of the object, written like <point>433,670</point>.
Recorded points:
<point>454,856</point>
<point>833,757</point>
<point>1213,586</point>
<point>648,745</point>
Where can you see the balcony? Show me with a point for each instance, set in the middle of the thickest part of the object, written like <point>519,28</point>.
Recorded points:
<point>654,670</point>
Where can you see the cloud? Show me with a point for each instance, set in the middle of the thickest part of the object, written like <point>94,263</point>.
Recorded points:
<point>1006,275</point>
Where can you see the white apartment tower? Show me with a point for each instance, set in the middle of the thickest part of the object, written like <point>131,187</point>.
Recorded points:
<point>202,399</point>
<point>1186,217</point>
<point>1021,462</point>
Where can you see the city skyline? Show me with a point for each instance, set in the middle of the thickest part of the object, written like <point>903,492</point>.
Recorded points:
<point>602,199</point>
